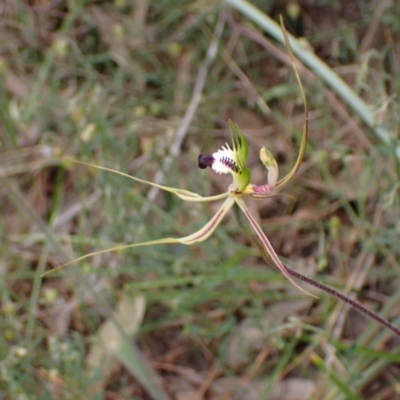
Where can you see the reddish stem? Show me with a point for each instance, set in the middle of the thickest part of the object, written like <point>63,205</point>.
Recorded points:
<point>353,303</point>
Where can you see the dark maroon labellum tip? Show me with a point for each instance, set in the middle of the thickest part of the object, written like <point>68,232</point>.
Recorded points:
<point>205,161</point>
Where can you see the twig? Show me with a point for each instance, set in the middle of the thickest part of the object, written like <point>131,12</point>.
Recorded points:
<point>372,31</point>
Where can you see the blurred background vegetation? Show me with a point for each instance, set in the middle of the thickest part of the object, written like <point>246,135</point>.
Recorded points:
<point>112,83</point>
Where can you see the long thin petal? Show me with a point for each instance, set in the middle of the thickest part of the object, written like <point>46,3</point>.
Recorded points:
<point>181,193</point>
<point>209,228</point>
<point>199,236</point>
<point>303,144</point>
<point>267,245</point>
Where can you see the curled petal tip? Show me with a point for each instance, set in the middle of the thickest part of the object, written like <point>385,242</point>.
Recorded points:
<point>206,161</point>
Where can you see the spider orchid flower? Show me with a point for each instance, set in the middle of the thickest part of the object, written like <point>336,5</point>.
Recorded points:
<point>230,160</point>
<point>224,161</point>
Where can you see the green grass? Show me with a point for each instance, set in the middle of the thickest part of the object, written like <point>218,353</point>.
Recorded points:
<point>105,84</point>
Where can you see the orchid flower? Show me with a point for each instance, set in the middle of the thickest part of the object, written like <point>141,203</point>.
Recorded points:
<point>227,160</point>
<point>232,160</point>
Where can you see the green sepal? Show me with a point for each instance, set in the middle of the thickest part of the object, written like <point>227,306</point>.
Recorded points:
<point>241,148</point>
